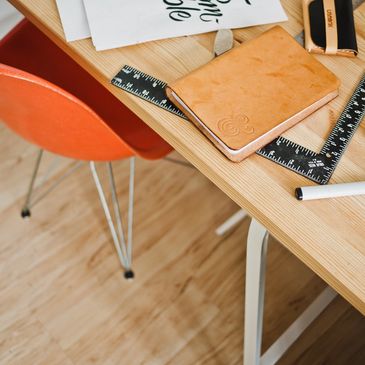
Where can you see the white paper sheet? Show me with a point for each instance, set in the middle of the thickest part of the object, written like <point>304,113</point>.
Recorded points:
<point>73,18</point>
<point>117,23</point>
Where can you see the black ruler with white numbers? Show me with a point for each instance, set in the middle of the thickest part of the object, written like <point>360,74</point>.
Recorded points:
<point>146,87</point>
<point>315,166</point>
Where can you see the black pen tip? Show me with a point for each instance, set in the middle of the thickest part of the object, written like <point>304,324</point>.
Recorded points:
<point>299,193</point>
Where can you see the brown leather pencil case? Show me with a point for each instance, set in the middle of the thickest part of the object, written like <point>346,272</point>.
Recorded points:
<point>329,27</point>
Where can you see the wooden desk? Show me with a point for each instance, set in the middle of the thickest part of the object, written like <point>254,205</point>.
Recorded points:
<point>328,236</point>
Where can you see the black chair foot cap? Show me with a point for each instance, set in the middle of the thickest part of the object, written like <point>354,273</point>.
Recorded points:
<point>25,213</point>
<point>129,275</point>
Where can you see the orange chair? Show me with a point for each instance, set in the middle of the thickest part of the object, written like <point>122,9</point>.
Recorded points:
<point>85,122</point>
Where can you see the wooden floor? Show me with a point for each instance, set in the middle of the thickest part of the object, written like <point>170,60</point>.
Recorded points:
<point>63,299</point>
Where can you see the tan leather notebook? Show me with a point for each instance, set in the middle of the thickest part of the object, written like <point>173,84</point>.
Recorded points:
<point>245,98</point>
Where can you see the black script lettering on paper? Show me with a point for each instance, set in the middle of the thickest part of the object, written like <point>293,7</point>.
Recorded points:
<point>206,10</point>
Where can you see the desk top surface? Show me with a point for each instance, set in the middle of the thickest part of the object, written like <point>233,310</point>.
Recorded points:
<point>328,235</point>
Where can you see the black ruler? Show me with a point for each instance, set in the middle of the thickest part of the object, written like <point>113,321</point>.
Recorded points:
<point>146,87</point>
<point>317,167</point>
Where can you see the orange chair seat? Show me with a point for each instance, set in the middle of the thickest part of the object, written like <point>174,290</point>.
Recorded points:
<point>28,49</point>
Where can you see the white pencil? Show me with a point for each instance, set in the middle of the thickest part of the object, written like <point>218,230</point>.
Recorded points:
<point>330,191</point>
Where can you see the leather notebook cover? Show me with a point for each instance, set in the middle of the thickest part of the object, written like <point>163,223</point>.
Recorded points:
<point>329,27</point>
<point>245,98</point>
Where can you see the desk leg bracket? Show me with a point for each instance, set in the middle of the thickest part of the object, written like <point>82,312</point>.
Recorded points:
<point>254,304</point>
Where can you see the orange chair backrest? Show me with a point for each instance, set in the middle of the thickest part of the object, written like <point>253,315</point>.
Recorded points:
<point>55,120</point>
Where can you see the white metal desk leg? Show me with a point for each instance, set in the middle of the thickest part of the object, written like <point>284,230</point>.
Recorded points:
<point>254,294</point>
<point>231,222</point>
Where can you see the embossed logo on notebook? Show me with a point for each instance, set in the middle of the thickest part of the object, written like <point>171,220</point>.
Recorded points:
<point>236,124</point>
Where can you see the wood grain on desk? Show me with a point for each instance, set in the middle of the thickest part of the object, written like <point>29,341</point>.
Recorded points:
<point>328,236</point>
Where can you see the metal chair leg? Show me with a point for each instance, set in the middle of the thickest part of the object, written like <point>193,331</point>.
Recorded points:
<point>25,212</point>
<point>34,197</point>
<point>132,168</point>
<point>123,248</point>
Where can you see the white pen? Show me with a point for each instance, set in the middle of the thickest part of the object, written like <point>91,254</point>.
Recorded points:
<point>330,191</point>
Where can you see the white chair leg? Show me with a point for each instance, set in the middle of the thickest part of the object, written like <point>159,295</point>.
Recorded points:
<point>231,222</point>
<point>254,293</point>
<point>132,169</point>
<point>120,228</point>
<point>123,249</point>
